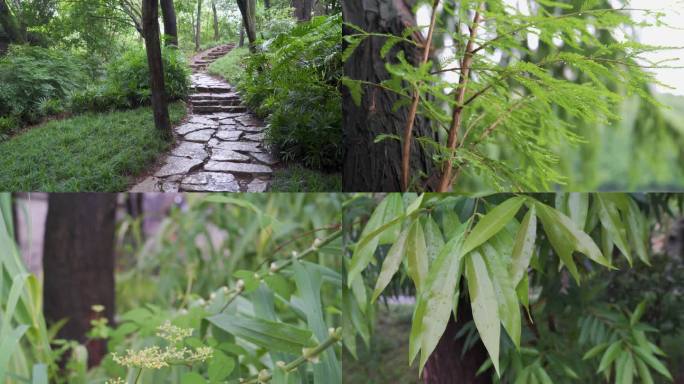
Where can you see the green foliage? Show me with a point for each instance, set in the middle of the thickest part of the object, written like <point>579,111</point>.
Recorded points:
<point>508,260</point>
<point>231,66</point>
<point>295,178</point>
<point>90,152</point>
<point>33,80</point>
<point>294,80</point>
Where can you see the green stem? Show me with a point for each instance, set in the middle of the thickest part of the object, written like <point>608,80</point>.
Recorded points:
<point>137,376</point>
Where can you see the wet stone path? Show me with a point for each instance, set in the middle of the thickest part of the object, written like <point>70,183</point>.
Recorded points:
<point>219,148</point>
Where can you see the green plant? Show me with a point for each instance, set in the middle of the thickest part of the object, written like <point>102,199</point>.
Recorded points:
<point>230,66</point>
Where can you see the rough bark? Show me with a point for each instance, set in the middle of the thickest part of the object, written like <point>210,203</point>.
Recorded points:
<point>170,23</point>
<point>302,9</point>
<point>248,11</point>
<point>78,260</point>
<point>217,35</point>
<point>242,35</point>
<point>10,24</point>
<point>198,30</point>
<point>150,16</point>
<point>446,365</point>
<point>370,166</point>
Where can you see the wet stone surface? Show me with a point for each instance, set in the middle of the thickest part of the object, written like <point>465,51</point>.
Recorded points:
<point>220,147</point>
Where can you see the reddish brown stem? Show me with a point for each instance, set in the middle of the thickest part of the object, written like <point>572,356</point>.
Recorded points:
<point>408,132</point>
<point>457,115</point>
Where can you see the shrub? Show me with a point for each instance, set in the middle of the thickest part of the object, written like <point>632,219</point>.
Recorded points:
<point>33,78</point>
<point>294,79</point>
<point>128,76</point>
<point>230,66</point>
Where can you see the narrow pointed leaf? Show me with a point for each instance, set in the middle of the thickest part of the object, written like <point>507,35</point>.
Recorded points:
<point>644,372</point>
<point>391,264</point>
<point>416,254</point>
<point>492,222</point>
<point>653,362</point>
<point>636,232</point>
<point>609,356</point>
<point>524,246</point>
<point>610,220</point>
<point>578,207</point>
<point>434,239</point>
<point>509,309</point>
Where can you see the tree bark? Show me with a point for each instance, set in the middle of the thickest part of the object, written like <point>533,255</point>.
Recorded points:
<point>267,4</point>
<point>302,9</point>
<point>150,16</point>
<point>78,260</point>
<point>248,11</point>
<point>216,21</point>
<point>370,166</point>
<point>447,364</point>
<point>10,24</point>
<point>198,31</point>
<point>170,23</point>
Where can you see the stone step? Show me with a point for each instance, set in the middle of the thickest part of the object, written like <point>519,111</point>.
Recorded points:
<point>214,96</point>
<point>206,110</point>
<point>208,103</point>
<point>211,89</point>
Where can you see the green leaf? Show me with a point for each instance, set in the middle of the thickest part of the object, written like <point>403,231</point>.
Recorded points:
<point>644,372</point>
<point>636,231</point>
<point>484,305</point>
<point>434,304</point>
<point>610,220</point>
<point>415,205</point>
<point>220,366</point>
<point>542,375</point>
<point>391,264</point>
<point>492,222</point>
<point>524,246</point>
<point>192,378</point>
<point>609,356</point>
<point>380,227</point>
<point>558,238</point>
<point>638,312</point>
<point>594,351</point>
<point>653,362</point>
<point>433,238</point>
<point>416,253</point>
<point>40,374</point>
<point>355,89</point>
<point>578,207</point>
<point>273,335</point>
<point>509,310</point>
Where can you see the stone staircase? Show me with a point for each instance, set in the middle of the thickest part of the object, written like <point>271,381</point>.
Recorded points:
<point>202,62</point>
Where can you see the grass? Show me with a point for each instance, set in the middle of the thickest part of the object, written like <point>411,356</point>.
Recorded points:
<point>296,178</point>
<point>93,152</point>
<point>386,362</point>
<point>230,66</point>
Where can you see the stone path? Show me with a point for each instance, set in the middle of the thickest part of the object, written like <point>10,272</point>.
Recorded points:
<point>220,147</point>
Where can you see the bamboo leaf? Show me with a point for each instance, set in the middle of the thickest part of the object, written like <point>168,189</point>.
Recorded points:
<point>609,356</point>
<point>509,309</point>
<point>578,207</point>
<point>524,246</point>
<point>610,220</point>
<point>391,264</point>
<point>40,374</point>
<point>653,362</point>
<point>644,372</point>
<point>433,238</point>
<point>636,231</point>
<point>416,252</point>
<point>492,222</point>
<point>484,305</point>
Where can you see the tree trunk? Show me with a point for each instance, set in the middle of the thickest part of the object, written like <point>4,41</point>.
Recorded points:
<point>248,11</point>
<point>78,260</point>
<point>150,16</point>
<point>447,365</point>
<point>302,9</point>
<point>216,21</point>
<point>370,166</point>
<point>10,24</point>
<point>198,31</point>
<point>242,35</point>
<point>267,4</point>
<point>170,23</point>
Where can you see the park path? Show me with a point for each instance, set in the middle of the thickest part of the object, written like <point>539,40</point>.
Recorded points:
<point>220,146</point>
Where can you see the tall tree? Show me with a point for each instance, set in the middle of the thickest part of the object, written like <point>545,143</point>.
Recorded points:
<point>78,260</point>
<point>10,24</point>
<point>216,21</point>
<point>241,43</point>
<point>371,166</point>
<point>170,23</point>
<point>150,17</point>
<point>302,9</point>
<point>198,26</point>
<point>248,11</point>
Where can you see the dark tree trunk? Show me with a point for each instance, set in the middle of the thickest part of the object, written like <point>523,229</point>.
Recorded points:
<point>216,21</point>
<point>150,16</point>
<point>78,260</point>
<point>370,166</point>
<point>446,365</point>
<point>267,4</point>
<point>198,31</point>
<point>248,11</point>
<point>170,23</point>
<point>302,9</point>
<point>242,35</point>
<point>10,24</point>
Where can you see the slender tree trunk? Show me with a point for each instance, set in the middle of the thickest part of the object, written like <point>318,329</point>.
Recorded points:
<point>248,11</point>
<point>170,24</point>
<point>370,166</point>
<point>242,35</point>
<point>216,21</point>
<point>267,4</point>
<point>198,32</point>
<point>10,24</point>
<point>302,9</point>
<point>150,16</point>
<point>447,364</point>
<point>78,260</point>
